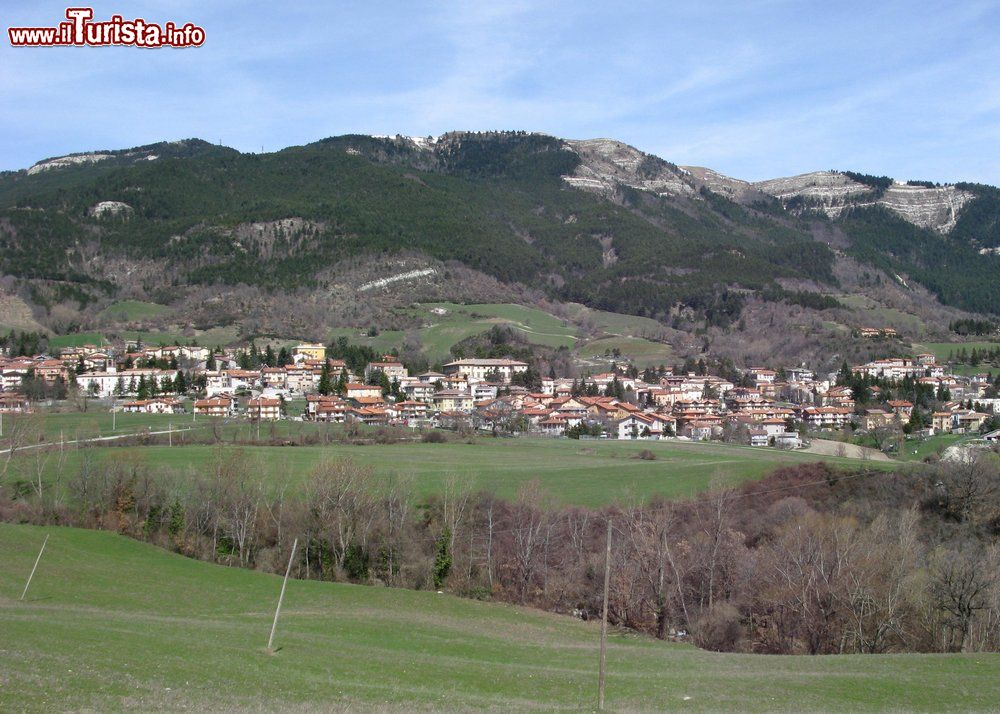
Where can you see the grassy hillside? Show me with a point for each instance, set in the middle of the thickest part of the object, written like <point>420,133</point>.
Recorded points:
<point>112,624</point>
<point>127,310</point>
<point>575,472</point>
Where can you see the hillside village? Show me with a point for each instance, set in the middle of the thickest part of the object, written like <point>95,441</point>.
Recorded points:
<point>883,399</point>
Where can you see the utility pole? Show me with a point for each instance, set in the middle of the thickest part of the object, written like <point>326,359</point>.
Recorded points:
<point>604,620</point>
<point>281,597</point>
<point>34,568</point>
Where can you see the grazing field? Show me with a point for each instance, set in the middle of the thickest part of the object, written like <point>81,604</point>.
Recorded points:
<point>919,450</point>
<point>614,323</point>
<point>112,624</point>
<point>880,316</point>
<point>127,310</point>
<point>77,339</point>
<point>643,352</point>
<point>216,337</point>
<point>941,350</point>
<point>439,332</point>
<point>463,321</point>
<point>589,473</point>
<point>95,423</point>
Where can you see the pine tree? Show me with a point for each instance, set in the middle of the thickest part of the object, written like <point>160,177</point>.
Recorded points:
<point>325,383</point>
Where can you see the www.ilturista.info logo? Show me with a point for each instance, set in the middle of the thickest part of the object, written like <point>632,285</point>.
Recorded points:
<point>81,31</point>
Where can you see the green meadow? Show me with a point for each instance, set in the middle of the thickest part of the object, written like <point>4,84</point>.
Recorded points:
<point>111,624</point>
<point>590,473</point>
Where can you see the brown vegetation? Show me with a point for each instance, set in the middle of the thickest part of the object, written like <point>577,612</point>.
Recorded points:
<point>809,560</point>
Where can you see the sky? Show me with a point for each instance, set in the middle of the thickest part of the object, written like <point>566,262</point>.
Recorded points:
<point>754,90</point>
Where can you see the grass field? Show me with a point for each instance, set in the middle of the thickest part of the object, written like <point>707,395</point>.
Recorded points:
<point>643,352</point>
<point>113,624</point>
<point>95,422</point>
<point>586,473</point>
<point>614,323</point>
<point>463,321</point>
<point>879,316</point>
<point>941,349</point>
<point>217,336</point>
<point>77,339</point>
<point>919,450</point>
<point>133,310</point>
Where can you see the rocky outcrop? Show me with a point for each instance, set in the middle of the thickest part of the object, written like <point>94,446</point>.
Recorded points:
<point>61,162</point>
<point>832,192</point>
<point>110,208</point>
<point>606,164</point>
<point>732,188</point>
<point>935,208</point>
<point>827,191</point>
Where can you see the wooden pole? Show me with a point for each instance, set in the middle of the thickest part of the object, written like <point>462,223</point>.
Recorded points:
<point>604,620</point>
<point>284,583</point>
<point>33,569</point>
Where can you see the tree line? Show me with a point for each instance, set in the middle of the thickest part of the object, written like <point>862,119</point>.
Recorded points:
<point>809,560</point>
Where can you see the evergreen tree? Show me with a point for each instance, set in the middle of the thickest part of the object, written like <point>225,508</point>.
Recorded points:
<point>325,383</point>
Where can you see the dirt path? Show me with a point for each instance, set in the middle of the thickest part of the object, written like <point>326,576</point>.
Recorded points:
<point>825,447</point>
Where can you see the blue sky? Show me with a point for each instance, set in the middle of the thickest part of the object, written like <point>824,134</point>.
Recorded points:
<point>752,89</point>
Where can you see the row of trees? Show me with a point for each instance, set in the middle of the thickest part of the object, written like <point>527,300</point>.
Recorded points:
<point>806,561</point>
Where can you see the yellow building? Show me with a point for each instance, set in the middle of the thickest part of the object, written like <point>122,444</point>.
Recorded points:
<point>311,350</point>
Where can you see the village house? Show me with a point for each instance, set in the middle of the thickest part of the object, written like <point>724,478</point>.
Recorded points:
<point>415,389</point>
<point>901,407</point>
<point>876,419</point>
<point>14,403</point>
<point>637,426</point>
<point>898,367</point>
<point>368,415</point>
<point>302,378</point>
<point>309,350</point>
<point>700,430</point>
<point>274,378</point>
<point>215,407</point>
<point>163,405</point>
<point>450,400</point>
<point>762,376</point>
<point>553,426</point>
<point>264,409</point>
<point>482,369</point>
<point>51,370</point>
<point>826,417</point>
<point>356,390</point>
<point>967,421</point>
<point>230,381</point>
<point>788,440</point>
<point>391,369</point>
<point>121,383</point>
<point>941,422</point>
<point>411,410</point>
<point>326,408</point>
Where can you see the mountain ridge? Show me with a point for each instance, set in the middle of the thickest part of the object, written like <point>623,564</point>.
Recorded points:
<point>595,221</point>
